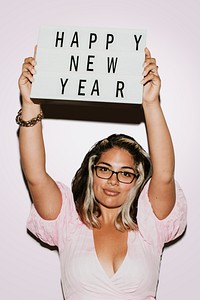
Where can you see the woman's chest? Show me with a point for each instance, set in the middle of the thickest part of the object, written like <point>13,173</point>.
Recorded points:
<point>81,267</point>
<point>111,248</point>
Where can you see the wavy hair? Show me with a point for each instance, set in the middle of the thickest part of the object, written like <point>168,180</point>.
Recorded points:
<point>82,183</point>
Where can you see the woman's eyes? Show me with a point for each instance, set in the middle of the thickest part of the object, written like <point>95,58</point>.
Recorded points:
<point>126,174</point>
<point>122,173</point>
<point>104,169</point>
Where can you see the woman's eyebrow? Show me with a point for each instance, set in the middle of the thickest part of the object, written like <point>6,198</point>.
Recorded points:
<point>109,165</point>
<point>104,163</point>
<point>127,167</point>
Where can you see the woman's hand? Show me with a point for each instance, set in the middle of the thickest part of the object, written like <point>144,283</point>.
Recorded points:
<point>26,79</point>
<point>151,81</point>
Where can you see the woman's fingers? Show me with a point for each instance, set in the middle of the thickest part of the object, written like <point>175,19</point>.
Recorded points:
<point>150,78</point>
<point>30,60</point>
<point>35,51</point>
<point>149,64</point>
<point>29,64</point>
<point>28,70</point>
<point>152,68</point>
<point>150,72</point>
<point>147,53</point>
<point>27,76</point>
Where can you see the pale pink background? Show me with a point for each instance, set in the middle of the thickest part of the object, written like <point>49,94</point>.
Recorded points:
<point>29,271</point>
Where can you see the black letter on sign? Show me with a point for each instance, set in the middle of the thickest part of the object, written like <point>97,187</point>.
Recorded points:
<point>137,41</point>
<point>63,85</point>
<point>111,64</point>
<point>81,87</point>
<point>120,87</point>
<point>74,63</point>
<point>75,39</point>
<point>93,38</point>
<point>61,39</point>
<point>89,62</point>
<point>95,88</point>
<point>109,40</point>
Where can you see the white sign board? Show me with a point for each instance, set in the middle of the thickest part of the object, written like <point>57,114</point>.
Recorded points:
<point>89,64</point>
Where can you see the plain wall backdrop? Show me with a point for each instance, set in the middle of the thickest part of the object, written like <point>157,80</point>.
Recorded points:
<point>28,270</point>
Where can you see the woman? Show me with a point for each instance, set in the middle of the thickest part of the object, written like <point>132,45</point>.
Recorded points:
<point>111,229</point>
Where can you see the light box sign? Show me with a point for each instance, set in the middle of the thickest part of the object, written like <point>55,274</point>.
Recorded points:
<point>89,64</point>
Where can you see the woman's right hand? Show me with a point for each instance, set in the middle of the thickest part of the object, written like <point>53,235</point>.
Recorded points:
<point>26,79</point>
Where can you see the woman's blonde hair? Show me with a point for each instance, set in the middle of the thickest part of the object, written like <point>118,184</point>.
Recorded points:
<point>82,184</point>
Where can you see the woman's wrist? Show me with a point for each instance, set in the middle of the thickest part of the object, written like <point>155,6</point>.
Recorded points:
<point>28,123</point>
<point>30,110</point>
<point>29,115</point>
<point>153,102</point>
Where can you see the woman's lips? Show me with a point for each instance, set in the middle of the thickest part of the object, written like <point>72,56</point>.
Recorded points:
<point>110,192</point>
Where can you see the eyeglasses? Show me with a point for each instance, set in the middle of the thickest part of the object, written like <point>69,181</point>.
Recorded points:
<point>122,176</point>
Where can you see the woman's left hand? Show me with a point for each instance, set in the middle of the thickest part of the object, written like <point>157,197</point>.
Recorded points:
<point>151,81</point>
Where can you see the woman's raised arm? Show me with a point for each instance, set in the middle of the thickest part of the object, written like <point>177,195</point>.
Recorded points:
<point>44,191</point>
<point>162,186</point>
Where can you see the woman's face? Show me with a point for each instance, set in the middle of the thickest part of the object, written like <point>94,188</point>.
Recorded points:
<point>111,193</point>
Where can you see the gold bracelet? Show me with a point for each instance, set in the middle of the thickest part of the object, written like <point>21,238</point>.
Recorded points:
<point>29,123</point>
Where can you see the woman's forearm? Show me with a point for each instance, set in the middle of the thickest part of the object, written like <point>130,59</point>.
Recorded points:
<point>160,142</point>
<point>31,143</point>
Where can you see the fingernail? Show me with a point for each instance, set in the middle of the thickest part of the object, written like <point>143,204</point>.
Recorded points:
<point>144,73</point>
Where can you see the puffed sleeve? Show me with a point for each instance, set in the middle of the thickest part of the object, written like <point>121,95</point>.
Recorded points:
<point>158,232</point>
<point>55,232</point>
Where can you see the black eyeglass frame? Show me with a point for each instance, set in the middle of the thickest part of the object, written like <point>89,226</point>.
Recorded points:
<point>114,172</point>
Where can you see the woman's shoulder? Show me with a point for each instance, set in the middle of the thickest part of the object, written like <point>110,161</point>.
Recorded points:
<point>55,232</point>
<point>161,231</point>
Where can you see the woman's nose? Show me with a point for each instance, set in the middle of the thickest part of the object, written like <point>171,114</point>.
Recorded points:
<point>113,180</point>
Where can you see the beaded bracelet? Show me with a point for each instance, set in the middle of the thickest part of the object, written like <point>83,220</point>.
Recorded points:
<point>29,123</point>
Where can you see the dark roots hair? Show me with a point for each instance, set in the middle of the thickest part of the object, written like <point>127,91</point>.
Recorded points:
<point>82,183</point>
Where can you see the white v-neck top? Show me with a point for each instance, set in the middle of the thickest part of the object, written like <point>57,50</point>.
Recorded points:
<point>83,277</point>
